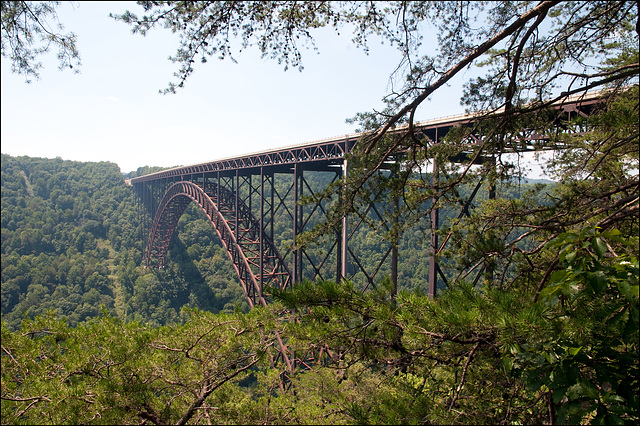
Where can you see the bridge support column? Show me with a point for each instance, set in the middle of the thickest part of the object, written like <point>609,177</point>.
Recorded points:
<point>261,243</point>
<point>488,273</point>
<point>297,222</point>
<point>394,247</point>
<point>344,236</point>
<point>236,191</point>
<point>433,264</point>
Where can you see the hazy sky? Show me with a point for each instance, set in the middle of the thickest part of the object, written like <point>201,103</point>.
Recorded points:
<point>112,110</point>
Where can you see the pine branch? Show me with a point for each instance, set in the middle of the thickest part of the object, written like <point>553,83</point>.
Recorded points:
<point>464,373</point>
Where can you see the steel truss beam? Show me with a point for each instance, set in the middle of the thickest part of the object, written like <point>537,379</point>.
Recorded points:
<point>247,197</point>
<point>254,256</point>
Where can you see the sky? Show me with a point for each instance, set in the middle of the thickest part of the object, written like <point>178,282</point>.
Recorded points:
<point>112,110</point>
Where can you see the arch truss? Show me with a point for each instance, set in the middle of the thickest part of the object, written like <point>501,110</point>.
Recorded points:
<point>253,254</point>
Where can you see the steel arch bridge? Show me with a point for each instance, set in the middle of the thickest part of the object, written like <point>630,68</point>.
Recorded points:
<point>247,198</point>
<point>237,228</point>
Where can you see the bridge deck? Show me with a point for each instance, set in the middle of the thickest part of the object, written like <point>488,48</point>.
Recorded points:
<point>256,200</point>
<point>332,150</point>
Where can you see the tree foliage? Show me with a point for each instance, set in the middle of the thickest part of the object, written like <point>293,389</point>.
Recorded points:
<point>106,371</point>
<point>471,356</point>
<point>31,29</point>
<point>71,243</point>
<point>589,366</point>
<point>487,355</point>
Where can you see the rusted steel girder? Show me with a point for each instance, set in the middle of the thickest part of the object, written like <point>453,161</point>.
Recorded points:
<point>253,254</point>
<point>235,174</point>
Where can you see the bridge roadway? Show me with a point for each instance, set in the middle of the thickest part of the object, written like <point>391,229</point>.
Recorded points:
<point>244,201</point>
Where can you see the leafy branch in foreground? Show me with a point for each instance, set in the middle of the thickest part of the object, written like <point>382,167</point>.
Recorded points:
<point>484,354</point>
<point>109,372</point>
<point>31,29</point>
<point>589,366</point>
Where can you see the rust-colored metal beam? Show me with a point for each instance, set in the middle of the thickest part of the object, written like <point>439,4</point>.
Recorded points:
<point>230,198</point>
<point>256,262</point>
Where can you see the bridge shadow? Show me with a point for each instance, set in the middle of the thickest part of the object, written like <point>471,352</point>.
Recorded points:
<point>196,289</point>
<point>209,290</point>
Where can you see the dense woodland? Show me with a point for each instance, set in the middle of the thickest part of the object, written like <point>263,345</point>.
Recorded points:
<point>548,333</point>
<point>71,243</point>
<point>72,265</point>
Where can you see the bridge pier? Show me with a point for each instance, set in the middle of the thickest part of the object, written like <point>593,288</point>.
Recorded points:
<point>343,238</point>
<point>433,263</point>
<point>297,222</point>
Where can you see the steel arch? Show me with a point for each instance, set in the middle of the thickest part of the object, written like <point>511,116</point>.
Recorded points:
<point>254,256</point>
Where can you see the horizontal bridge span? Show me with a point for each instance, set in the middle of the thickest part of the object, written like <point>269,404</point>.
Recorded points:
<point>331,151</point>
<point>264,203</point>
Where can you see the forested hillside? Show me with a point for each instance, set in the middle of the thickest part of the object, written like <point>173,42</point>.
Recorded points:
<point>71,243</point>
<point>86,326</point>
